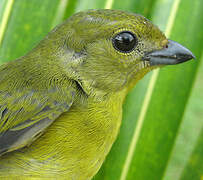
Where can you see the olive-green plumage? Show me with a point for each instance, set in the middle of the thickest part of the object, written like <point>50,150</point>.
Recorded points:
<point>61,103</point>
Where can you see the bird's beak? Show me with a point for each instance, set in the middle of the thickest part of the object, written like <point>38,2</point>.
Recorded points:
<point>173,53</point>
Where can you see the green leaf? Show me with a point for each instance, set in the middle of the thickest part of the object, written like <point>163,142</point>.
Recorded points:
<point>194,168</point>
<point>91,4</point>
<point>188,135</point>
<point>26,24</point>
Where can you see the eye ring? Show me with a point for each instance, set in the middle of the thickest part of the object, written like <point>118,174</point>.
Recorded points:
<point>125,41</point>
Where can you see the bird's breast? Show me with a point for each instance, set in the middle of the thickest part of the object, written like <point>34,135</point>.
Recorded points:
<point>74,146</point>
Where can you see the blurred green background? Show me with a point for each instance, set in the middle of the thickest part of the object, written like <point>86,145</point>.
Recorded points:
<point>162,130</point>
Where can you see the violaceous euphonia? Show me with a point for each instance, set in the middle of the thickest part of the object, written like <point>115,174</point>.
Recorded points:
<point>61,103</point>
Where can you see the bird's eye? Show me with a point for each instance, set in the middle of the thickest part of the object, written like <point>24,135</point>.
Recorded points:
<point>124,41</point>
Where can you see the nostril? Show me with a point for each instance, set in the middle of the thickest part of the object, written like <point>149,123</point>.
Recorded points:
<point>164,43</point>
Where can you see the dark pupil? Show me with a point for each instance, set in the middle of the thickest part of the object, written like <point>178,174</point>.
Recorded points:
<point>124,41</point>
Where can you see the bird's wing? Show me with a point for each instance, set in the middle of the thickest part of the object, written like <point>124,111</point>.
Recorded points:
<point>25,114</point>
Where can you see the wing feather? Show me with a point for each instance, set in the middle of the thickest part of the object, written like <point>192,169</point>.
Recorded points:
<point>24,115</point>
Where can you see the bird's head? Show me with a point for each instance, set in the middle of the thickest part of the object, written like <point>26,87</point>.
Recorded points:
<point>112,49</point>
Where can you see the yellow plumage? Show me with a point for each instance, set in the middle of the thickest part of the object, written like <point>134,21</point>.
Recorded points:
<point>61,104</point>
<point>73,146</point>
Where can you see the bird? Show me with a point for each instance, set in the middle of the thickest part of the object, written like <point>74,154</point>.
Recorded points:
<point>61,103</point>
